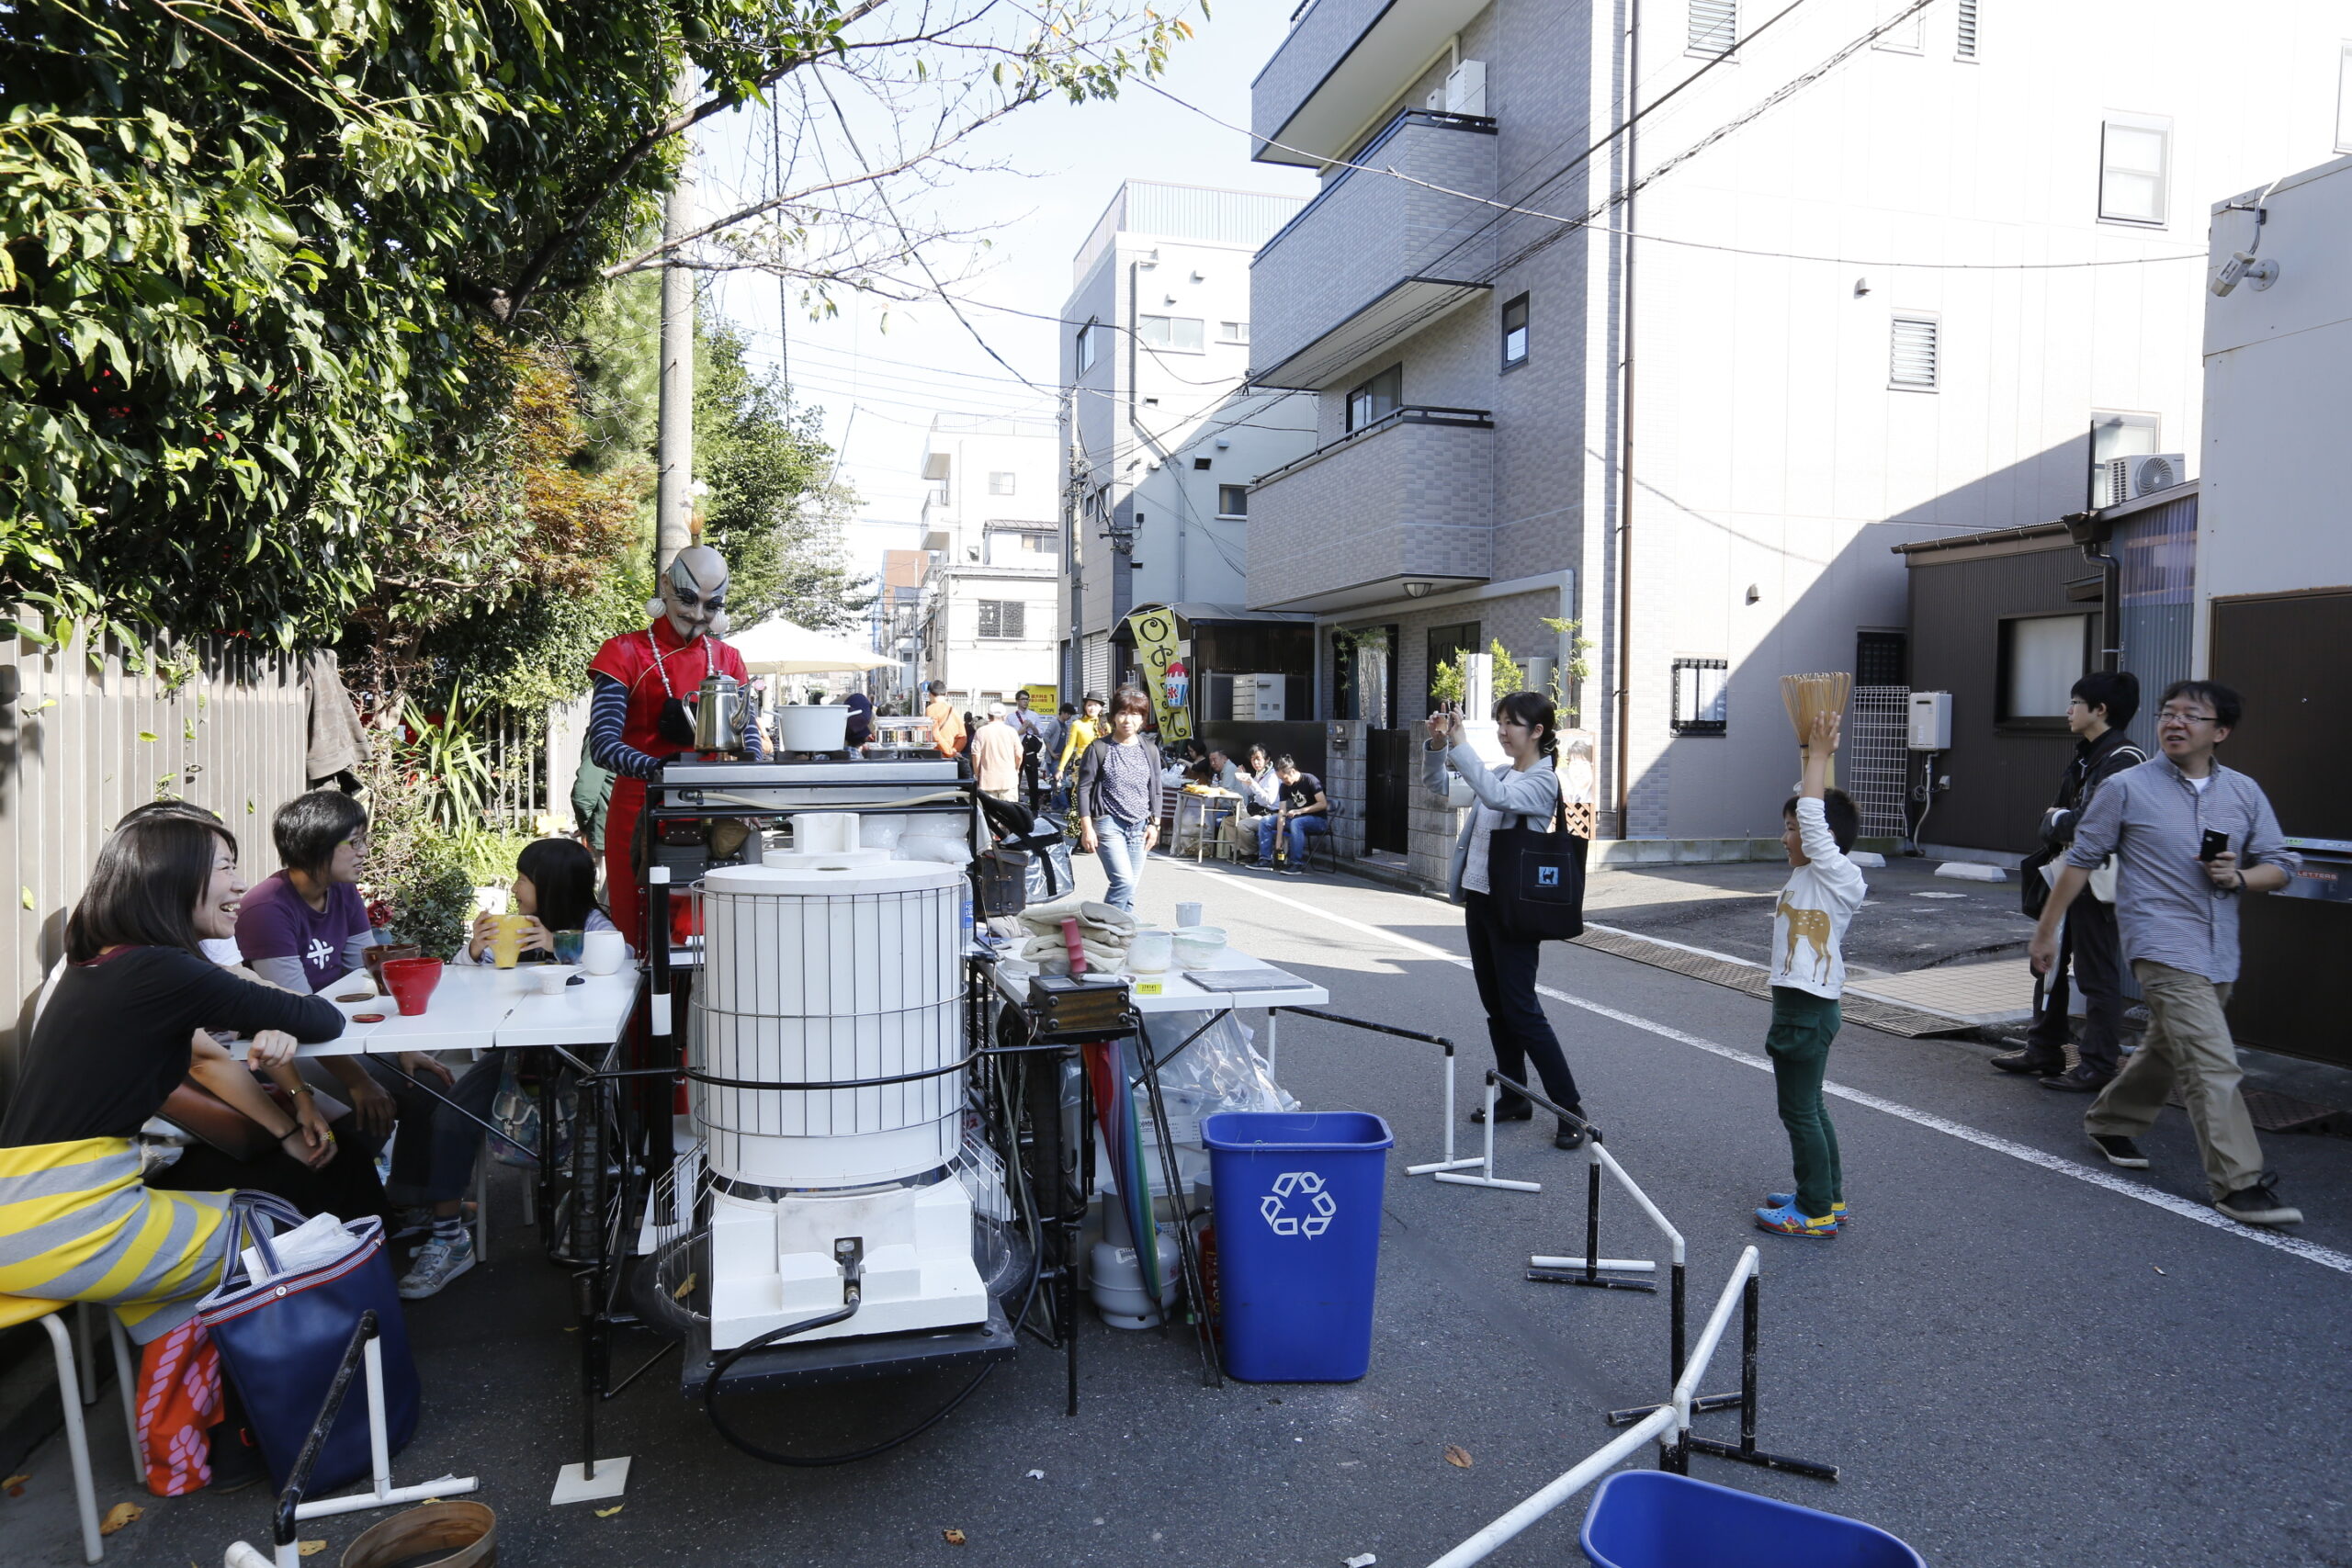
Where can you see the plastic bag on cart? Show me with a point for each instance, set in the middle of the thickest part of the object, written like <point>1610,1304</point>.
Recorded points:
<point>1220,1071</point>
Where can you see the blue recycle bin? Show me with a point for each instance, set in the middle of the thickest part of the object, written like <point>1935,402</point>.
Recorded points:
<point>1649,1518</point>
<point>1299,1197</point>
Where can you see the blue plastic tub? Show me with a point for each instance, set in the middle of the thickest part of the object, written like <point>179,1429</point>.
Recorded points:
<point>1647,1518</point>
<point>1298,1240</point>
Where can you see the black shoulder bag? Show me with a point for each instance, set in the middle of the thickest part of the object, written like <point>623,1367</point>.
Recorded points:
<point>1536,879</point>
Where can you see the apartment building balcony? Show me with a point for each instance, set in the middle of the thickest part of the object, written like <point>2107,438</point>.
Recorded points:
<point>1373,258</point>
<point>1405,500</point>
<point>1344,61</point>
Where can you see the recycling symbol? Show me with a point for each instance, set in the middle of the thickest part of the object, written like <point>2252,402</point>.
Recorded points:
<point>1277,1206</point>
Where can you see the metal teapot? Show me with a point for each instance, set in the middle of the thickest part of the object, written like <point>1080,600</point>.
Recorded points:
<point>718,714</point>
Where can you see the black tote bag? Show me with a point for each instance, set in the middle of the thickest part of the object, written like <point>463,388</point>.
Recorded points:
<point>1536,879</point>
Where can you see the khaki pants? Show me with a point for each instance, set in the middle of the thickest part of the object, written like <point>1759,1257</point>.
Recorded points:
<point>1240,833</point>
<point>2189,1040</point>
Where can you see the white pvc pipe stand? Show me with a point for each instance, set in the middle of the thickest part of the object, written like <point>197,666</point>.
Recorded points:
<point>1448,1162</point>
<point>385,1494</point>
<point>1486,1164</point>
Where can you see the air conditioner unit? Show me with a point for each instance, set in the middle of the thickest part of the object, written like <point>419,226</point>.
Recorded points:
<point>2129,479</point>
<point>1466,88</point>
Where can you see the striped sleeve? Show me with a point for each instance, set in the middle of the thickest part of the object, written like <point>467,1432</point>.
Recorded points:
<point>607,715</point>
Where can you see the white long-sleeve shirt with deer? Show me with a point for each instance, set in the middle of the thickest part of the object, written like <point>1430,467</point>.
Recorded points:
<point>1809,920</point>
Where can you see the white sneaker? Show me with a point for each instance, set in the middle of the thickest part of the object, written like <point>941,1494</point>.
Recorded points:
<point>438,1263</point>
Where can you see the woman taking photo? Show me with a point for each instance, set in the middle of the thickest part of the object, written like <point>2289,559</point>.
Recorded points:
<point>1521,791</point>
<point>1117,805</point>
<point>105,1053</point>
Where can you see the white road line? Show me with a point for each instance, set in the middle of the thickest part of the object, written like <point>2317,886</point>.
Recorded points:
<point>2310,1252</point>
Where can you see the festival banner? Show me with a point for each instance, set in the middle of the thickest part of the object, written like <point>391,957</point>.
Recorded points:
<point>1167,677</point>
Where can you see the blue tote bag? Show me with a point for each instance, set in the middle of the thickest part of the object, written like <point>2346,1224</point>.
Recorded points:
<point>282,1339</point>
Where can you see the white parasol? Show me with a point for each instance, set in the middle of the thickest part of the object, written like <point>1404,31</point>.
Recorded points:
<point>779,648</point>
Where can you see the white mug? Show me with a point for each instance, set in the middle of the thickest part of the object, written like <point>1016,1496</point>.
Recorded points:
<point>1188,914</point>
<point>601,953</point>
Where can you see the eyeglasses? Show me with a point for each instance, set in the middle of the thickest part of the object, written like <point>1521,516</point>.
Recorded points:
<point>2169,714</point>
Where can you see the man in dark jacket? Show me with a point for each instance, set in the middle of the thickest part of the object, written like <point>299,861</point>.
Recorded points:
<point>2102,704</point>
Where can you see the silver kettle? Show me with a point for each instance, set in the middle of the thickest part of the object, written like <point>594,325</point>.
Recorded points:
<point>718,714</point>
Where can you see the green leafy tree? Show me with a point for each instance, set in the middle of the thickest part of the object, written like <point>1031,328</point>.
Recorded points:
<point>263,263</point>
<point>773,510</point>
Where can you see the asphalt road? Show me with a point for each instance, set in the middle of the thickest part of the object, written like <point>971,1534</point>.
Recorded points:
<point>2013,1358</point>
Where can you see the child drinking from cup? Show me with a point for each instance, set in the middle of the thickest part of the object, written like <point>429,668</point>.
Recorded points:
<point>554,899</point>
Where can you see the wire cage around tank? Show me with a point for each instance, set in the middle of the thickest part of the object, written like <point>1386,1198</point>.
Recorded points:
<point>826,1041</point>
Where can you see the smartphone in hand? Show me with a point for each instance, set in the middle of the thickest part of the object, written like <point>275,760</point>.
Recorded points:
<point>2213,844</point>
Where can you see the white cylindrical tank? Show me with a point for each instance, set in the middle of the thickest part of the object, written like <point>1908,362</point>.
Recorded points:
<point>818,972</point>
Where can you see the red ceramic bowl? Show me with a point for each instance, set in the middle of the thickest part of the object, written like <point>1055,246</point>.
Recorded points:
<point>410,981</point>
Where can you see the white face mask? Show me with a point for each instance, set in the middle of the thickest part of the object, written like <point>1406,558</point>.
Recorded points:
<point>694,594</point>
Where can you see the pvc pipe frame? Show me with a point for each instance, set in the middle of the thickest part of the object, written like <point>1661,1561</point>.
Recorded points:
<point>384,1493</point>
<point>1485,1163</point>
<point>1448,1161</point>
<point>1673,1417</point>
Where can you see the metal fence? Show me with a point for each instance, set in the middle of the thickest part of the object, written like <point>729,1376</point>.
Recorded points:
<point>83,739</point>
<point>1875,767</point>
<point>517,741</point>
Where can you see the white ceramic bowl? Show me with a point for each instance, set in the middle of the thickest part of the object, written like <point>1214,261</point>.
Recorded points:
<point>553,978</point>
<point>1197,946</point>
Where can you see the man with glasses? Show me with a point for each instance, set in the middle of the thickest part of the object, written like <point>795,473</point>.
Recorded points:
<point>2192,838</point>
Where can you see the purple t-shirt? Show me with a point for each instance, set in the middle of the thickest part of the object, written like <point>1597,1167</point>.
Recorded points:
<point>274,922</point>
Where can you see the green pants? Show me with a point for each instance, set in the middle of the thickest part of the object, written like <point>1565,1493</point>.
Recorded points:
<point>1802,1027</point>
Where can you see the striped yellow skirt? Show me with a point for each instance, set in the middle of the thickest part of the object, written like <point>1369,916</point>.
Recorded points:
<point>77,1225</point>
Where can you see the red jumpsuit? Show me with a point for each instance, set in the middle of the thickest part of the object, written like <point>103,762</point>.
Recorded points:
<point>632,660</point>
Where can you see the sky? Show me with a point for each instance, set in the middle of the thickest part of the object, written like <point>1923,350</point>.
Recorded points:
<point>880,370</point>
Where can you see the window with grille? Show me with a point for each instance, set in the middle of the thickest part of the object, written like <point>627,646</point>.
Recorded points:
<point>2135,156</point>
<point>1181,333</point>
<point>1879,658</point>
<point>1000,483</point>
<point>1714,26</point>
<point>1004,618</point>
<point>1232,500</point>
<point>1915,357</point>
<point>1964,43</point>
<point>1702,697</point>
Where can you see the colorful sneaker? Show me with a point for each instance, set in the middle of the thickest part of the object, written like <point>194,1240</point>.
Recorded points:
<point>1786,1221</point>
<point>438,1263</point>
<point>1837,1211</point>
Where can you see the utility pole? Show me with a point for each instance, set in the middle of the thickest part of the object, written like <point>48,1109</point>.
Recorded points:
<point>675,454</point>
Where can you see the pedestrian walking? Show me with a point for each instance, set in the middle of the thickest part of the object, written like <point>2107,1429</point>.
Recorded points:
<point>948,732</point>
<point>2192,838</point>
<point>2101,705</point>
<point>1524,791</point>
<point>996,755</point>
<point>1029,725</point>
<point>1117,803</point>
<point>1809,920</point>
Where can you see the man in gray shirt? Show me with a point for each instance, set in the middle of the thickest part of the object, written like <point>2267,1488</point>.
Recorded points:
<point>2192,838</point>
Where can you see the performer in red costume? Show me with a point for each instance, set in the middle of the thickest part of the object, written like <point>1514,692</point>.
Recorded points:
<point>638,715</point>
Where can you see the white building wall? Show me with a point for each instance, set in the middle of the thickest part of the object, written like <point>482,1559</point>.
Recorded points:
<point>2278,389</point>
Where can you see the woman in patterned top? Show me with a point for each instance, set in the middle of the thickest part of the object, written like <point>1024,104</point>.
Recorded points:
<point>1118,797</point>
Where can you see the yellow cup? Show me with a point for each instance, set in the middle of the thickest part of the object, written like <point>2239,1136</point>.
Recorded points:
<point>507,942</point>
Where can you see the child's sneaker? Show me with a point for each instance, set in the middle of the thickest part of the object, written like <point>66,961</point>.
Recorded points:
<point>1837,1211</point>
<point>1785,1221</point>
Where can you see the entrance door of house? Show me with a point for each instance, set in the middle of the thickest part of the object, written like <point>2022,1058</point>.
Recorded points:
<point>1388,763</point>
